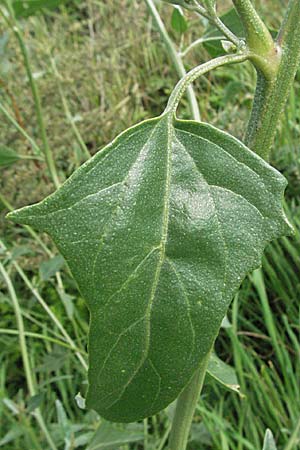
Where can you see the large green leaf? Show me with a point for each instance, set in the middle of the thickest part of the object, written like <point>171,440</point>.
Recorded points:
<point>159,229</point>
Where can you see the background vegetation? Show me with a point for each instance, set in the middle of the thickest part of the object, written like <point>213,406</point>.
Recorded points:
<point>101,67</point>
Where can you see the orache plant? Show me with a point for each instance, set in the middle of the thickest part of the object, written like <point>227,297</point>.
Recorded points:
<point>160,228</point>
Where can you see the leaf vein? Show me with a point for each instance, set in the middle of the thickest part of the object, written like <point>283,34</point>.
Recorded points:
<point>131,275</point>
<point>245,166</point>
<point>187,301</point>
<point>237,195</point>
<point>159,382</point>
<point>117,341</point>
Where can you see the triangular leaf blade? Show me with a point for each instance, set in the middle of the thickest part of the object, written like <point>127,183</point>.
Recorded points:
<point>159,229</point>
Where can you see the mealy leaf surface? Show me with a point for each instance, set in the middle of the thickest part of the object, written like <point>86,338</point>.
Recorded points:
<point>159,229</point>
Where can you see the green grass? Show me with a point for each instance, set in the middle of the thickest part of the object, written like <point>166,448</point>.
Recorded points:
<point>108,81</point>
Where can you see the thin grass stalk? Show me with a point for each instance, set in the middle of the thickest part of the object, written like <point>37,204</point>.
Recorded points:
<point>52,316</point>
<point>41,337</point>
<point>21,130</point>
<point>68,114</point>
<point>24,353</point>
<point>50,313</point>
<point>13,25</point>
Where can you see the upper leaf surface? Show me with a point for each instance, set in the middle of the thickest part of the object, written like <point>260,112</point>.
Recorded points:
<point>159,229</point>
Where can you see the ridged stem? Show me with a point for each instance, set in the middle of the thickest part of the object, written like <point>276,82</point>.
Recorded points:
<point>258,37</point>
<point>271,94</point>
<point>264,52</point>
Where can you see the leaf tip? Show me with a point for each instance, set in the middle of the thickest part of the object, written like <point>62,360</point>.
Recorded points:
<point>12,216</point>
<point>22,216</point>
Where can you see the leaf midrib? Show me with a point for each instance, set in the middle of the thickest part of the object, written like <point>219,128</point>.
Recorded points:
<point>164,233</point>
<point>160,261</point>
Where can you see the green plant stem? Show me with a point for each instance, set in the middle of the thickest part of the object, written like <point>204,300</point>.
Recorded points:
<point>31,157</point>
<point>39,113</point>
<point>146,434</point>
<point>185,408</point>
<point>191,6</point>
<point>210,14</point>
<point>271,94</point>
<point>20,324</point>
<point>294,439</point>
<point>258,37</point>
<point>265,54</point>
<point>24,352</point>
<point>36,97</point>
<point>175,57</point>
<point>226,31</point>
<point>164,438</point>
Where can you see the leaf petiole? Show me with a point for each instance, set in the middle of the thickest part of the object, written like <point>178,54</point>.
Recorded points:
<point>195,73</point>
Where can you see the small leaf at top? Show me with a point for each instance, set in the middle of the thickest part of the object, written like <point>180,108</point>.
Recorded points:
<point>223,373</point>
<point>232,21</point>
<point>178,21</point>
<point>159,229</point>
